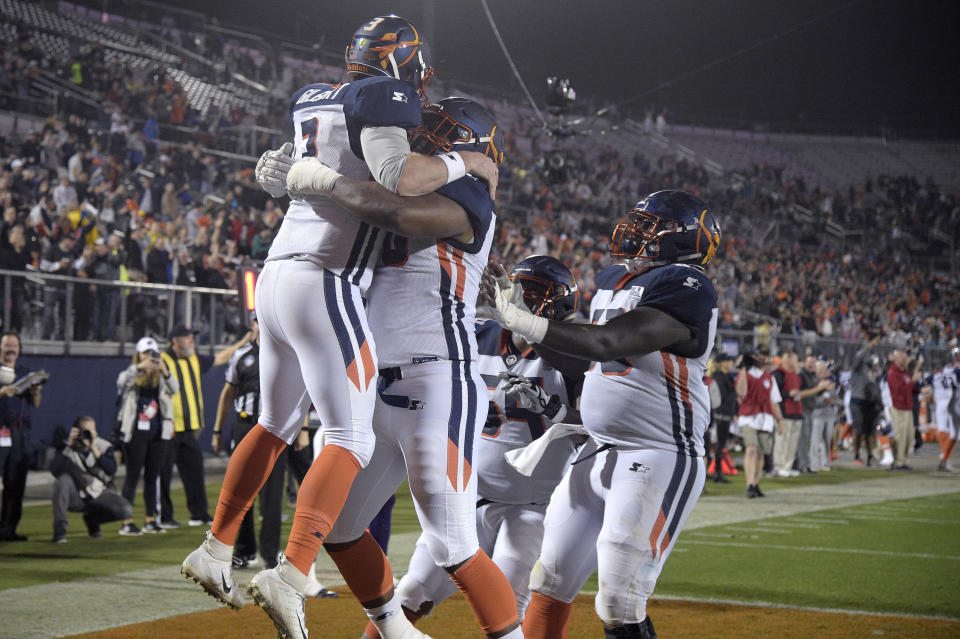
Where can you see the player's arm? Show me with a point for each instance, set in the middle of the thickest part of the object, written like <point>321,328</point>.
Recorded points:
<point>429,215</point>
<point>571,367</point>
<point>392,164</point>
<point>227,395</point>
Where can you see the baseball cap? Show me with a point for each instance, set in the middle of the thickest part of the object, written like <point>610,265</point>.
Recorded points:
<point>723,357</point>
<point>181,330</point>
<point>147,344</point>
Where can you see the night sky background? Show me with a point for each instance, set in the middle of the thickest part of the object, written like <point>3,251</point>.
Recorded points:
<point>864,64</point>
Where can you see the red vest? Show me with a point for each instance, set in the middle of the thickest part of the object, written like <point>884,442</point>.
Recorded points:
<point>757,399</point>
<point>791,381</point>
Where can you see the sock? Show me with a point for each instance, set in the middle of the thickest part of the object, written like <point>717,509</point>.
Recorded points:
<point>943,438</point>
<point>371,632</point>
<point>488,592</point>
<point>389,619</point>
<point>248,469</point>
<point>292,575</point>
<point>546,618</point>
<point>364,567</point>
<point>322,494</point>
<point>951,444</point>
<point>218,549</point>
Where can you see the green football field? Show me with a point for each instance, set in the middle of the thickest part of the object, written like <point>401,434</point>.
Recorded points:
<point>892,555</point>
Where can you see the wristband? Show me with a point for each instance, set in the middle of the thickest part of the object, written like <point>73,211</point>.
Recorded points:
<point>456,169</point>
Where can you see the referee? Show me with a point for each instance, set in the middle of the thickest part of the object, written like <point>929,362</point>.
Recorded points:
<point>242,390</point>
<point>187,366</point>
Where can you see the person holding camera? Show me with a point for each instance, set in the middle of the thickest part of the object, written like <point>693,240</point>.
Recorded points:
<point>15,409</point>
<point>84,468</point>
<point>146,426</point>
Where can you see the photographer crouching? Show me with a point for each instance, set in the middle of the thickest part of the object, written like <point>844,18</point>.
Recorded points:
<point>84,467</point>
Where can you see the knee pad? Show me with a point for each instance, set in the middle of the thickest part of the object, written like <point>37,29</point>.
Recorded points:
<point>544,580</point>
<point>621,606</point>
<point>361,444</point>
<point>451,550</point>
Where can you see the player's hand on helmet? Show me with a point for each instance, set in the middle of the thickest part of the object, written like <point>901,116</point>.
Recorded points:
<point>310,176</point>
<point>480,166</point>
<point>272,170</point>
<point>508,309</point>
<point>529,395</point>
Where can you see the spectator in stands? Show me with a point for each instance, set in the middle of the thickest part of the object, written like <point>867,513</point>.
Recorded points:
<point>186,366</point>
<point>146,426</point>
<point>84,467</point>
<point>758,415</point>
<point>16,403</point>
<point>59,259</point>
<point>159,262</point>
<point>14,257</point>
<point>723,404</point>
<point>106,264</point>
<point>788,431</point>
<point>902,381</point>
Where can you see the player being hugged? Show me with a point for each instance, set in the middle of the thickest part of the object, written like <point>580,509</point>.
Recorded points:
<point>432,400</point>
<point>316,344</point>
<point>644,405</point>
<point>527,396</point>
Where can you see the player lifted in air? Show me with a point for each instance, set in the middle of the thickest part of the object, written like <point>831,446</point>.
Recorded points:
<point>645,407</point>
<point>432,401</point>
<point>527,396</point>
<point>316,345</point>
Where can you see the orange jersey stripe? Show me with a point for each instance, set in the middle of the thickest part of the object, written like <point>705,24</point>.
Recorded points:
<point>453,457</point>
<point>368,368</point>
<point>461,272</point>
<point>655,533</point>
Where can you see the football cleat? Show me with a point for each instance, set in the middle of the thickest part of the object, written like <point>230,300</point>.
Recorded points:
<point>282,602</point>
<point>215,576</point>
<point>667,227</point>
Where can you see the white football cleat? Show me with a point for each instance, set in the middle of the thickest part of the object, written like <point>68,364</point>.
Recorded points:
<point>316,589</point>
<point>280,599</point>
<point>213,575</point>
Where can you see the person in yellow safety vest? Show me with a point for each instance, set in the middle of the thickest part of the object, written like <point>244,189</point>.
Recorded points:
<point>187,366</point>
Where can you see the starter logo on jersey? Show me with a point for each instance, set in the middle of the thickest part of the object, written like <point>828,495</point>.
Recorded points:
<point>693,283</point>
<point>639,468</point>
<point>399,96</point>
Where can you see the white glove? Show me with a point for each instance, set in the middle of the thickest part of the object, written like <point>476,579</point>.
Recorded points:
<point>272,170</point>
<point>508,309</point>
<point>310,176</point>
<point>531,396</point>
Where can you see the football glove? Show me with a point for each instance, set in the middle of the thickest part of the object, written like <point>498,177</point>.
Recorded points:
<point>272,170</point>
<point>310,176</point>
<point>531,396</point>
<point>508,309</point>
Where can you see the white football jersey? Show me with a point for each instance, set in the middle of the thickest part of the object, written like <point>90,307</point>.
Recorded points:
<point>509,426</point>
<point>327,121</point>
<point>944,383</point>
<point>422,304</point>
<point>658,400</point>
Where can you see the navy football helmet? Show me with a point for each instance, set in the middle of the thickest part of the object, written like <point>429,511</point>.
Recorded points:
<point>549,288</point>
<point>391,46</point>
<point>667,227</point>
<point>458,124</point>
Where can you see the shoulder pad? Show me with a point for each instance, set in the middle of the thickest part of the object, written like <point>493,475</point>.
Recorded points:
<point>384,101</point>
<point>610,277</point>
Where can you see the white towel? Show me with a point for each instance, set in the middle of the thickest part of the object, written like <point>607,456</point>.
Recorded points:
<point>525,459</point>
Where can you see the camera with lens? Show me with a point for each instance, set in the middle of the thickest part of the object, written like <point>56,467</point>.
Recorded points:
<point>83,440</point>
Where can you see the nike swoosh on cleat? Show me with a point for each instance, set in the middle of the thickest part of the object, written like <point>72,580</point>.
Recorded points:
<point>226,588</point>
<point>382,617</point>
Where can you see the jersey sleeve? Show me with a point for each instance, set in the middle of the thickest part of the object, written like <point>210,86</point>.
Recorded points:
<point>385,102</point>
<point>206,362</point>
<point>231,374</point>
<point>686,295</point>
<point>471,194</point>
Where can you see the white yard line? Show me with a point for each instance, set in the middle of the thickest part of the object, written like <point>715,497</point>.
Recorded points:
<point>843,551</point>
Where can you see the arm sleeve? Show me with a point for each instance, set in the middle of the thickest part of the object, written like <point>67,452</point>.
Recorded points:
<point>474,197</point>
<point>385,149</point>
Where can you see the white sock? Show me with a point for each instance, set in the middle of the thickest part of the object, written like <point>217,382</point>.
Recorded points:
<point>218,549</point>
<point>389,619</point>
<point>292,575</point>
<point>516,633</point>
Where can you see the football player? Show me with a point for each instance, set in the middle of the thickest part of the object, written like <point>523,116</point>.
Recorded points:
<point>645,407</point>
<point>946,387</point>
<point>432,401</point>
<point>316,345</point>
<point>526,397</point>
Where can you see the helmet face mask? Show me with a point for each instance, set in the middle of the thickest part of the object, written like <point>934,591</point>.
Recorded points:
<point>666,227</point>
<point>549,288</point>
<point>457,124</point>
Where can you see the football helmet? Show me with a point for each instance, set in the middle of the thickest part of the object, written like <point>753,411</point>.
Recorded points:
<point>458,124</point>
<point>667,227</point>
<point>549,288</point>
<point>391,46</point>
